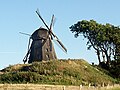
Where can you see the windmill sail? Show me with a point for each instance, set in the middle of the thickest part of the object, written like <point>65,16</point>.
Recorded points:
<point>24,33</point>
<point>51,33</point>
<point>60,43</point>
<point>52,20</point>
<point>42,19</point>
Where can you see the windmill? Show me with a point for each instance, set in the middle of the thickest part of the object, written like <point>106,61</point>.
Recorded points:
<point>41,47</point>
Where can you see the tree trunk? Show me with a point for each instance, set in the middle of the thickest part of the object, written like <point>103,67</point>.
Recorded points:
<point>107,57</point>
<point>98,54</point>
<point>103,55</point>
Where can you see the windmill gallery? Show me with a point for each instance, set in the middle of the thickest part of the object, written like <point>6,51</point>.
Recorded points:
<point>41,48</point>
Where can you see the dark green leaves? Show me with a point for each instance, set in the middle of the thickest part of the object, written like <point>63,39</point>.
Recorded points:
<point>103,38</point>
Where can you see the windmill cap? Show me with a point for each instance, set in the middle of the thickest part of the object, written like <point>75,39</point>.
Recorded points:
<point>40,33</point>
<point>42,28</point>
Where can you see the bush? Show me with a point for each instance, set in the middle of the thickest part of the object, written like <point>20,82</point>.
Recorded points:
<point>115,69</point>
<point>21,77</point>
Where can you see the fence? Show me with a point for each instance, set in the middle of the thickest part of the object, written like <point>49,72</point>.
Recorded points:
<point>50,87</point>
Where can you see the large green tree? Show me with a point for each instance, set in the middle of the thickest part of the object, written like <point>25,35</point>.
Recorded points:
<point>105,39</point>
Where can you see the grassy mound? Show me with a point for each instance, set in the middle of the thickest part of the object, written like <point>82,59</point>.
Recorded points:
<point>60,72</point>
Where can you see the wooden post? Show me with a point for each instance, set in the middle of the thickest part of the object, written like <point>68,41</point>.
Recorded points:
<point>80,87</point>
<point>63,87</point>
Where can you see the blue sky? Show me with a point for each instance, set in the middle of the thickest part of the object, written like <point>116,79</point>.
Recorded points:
<point>19,16</point>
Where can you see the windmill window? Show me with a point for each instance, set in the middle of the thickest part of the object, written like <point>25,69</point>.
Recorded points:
<point>47,56</point>
<point>47,50</point>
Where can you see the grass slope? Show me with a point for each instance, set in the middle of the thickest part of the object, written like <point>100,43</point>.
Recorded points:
<point>60,72</point>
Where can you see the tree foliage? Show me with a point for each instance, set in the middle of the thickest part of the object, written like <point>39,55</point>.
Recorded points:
<point>105,39</point>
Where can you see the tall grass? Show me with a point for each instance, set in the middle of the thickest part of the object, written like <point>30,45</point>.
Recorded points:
<point>59,72</point>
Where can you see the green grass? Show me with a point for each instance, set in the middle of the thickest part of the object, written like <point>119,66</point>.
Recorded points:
<point>58,72</point>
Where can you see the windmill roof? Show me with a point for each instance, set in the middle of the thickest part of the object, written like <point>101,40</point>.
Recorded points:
<point>40,33</point>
